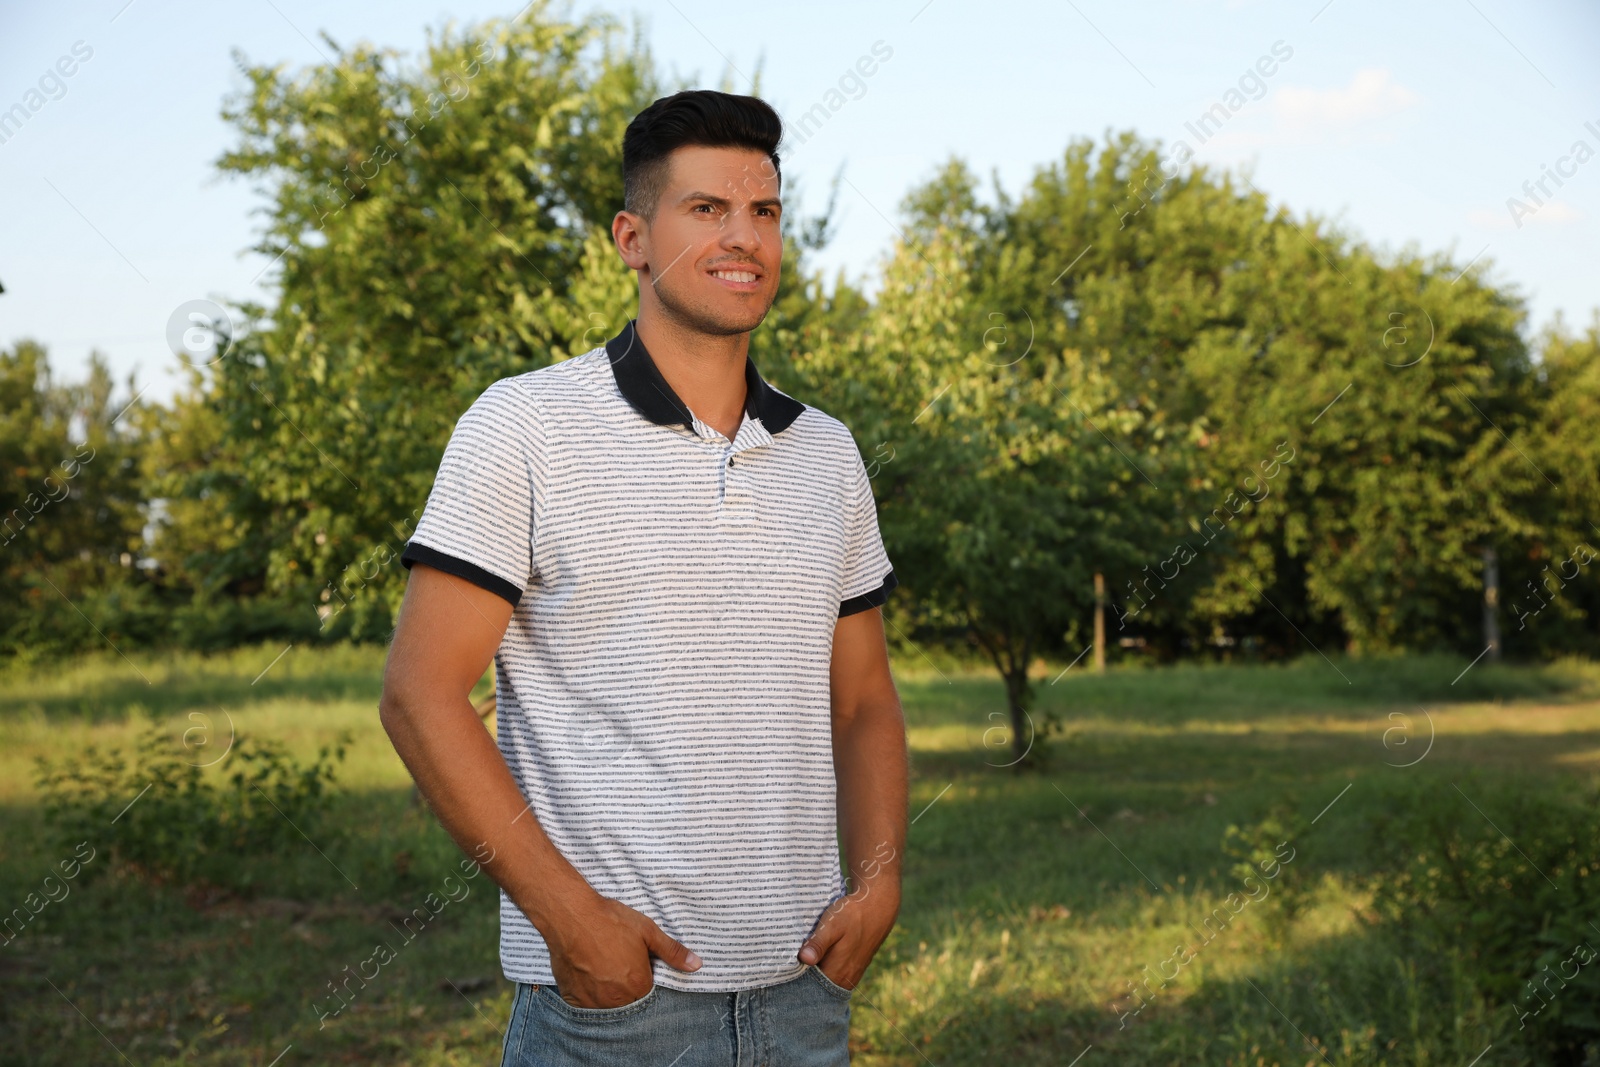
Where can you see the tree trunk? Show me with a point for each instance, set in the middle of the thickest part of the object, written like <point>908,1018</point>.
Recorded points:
<point>1023,730</point>
<point>1491,602</point>
<point>1099,623</point>
<point>1012,664</point>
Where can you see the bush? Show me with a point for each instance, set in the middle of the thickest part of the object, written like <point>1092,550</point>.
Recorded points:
<point>168,820</point>
<point>212,624</point>
<point>1258,852</point>
<point>1518,900</point>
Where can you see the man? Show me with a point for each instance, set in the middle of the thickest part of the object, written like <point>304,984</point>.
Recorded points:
<point>677,571</point>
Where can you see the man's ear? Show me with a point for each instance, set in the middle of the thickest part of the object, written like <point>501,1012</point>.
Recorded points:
<point>630,234</point>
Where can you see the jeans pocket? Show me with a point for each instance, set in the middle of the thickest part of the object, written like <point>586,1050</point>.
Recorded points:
<point>832,987</point>
<point>553,997</point>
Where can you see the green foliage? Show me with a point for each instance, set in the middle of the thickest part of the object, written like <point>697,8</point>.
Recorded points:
<point>1207,308</point>
<point>1507,880</point>
<point>1000,486</point>
<point>433,222</point>
<point>167,819</point>
<point>1259,432</point>
<point>1265,435</point>
<point>70,510</point>
<point>1265,855</point>
<point>1551,586</point>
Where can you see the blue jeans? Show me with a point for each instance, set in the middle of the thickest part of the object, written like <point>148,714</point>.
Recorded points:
<point>804,1022</point>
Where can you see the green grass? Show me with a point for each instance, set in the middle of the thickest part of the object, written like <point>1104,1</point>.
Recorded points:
<point>1033,902</point>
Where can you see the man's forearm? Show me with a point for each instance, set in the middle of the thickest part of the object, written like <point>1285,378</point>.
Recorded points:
<point>870,764</point>
<point>460,771</point>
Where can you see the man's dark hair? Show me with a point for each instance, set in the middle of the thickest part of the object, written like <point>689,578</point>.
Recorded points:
<point>692,117</point>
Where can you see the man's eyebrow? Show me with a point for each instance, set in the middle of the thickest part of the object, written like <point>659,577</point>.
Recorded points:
<point>721,201</point>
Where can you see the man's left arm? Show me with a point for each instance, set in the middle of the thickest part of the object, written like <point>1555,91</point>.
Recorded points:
<point>871,768</point>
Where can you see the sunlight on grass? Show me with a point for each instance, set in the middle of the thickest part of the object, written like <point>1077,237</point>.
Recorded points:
<point>1040,909</point>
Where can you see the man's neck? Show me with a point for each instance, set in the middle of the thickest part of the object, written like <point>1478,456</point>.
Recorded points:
<point>705,370</point>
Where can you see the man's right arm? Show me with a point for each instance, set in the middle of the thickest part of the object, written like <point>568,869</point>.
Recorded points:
<point>447,634</point>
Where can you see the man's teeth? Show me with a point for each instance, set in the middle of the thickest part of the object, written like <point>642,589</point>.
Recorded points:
<point>735,275</point>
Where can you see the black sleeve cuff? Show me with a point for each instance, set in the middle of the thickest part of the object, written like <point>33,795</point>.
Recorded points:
<point>876,598</point>
<point>415,553</point>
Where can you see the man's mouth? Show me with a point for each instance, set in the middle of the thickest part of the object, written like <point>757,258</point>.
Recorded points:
<point>737,279</point>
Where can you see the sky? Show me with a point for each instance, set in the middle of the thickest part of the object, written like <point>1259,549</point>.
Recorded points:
<point>1424,126</point>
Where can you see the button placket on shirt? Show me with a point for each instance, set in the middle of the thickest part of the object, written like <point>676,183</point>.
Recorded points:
<point>735,491</point>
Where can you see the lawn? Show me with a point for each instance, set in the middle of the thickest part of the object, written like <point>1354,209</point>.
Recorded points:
<point>1036,907</point>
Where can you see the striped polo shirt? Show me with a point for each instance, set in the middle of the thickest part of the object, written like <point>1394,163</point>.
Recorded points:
<point>663,692</point>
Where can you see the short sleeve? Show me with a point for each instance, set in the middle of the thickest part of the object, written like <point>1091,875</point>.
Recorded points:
<point>478,522</point>
<point>868,577</point>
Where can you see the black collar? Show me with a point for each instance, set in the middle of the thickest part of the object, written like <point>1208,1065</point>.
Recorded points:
<point>643,387</point>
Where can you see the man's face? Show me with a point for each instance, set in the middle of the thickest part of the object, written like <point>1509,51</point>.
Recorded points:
<point>715,247</point>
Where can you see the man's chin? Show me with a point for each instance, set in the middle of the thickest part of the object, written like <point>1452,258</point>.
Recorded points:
<point>716,321</point>
<point>727,327</point>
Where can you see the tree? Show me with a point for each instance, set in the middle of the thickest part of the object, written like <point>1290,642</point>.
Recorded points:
<point>1000,481</point>
<point>1551,563</point>
<point>70,510</point>
<point>429,223</point>
<point>438,226</point>
<point>1284,340</point>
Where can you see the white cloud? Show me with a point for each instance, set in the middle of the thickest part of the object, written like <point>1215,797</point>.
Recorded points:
<point>1371,95</point>
<point>1560,211</point>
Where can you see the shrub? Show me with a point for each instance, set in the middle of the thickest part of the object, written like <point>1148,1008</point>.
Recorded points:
<point>1517,899</point>
<point>1265,850</point>
<point>168,820</point>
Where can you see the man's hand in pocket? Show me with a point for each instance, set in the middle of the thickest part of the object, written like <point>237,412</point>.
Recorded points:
<point>848,935</point>
<point>601,954</point>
